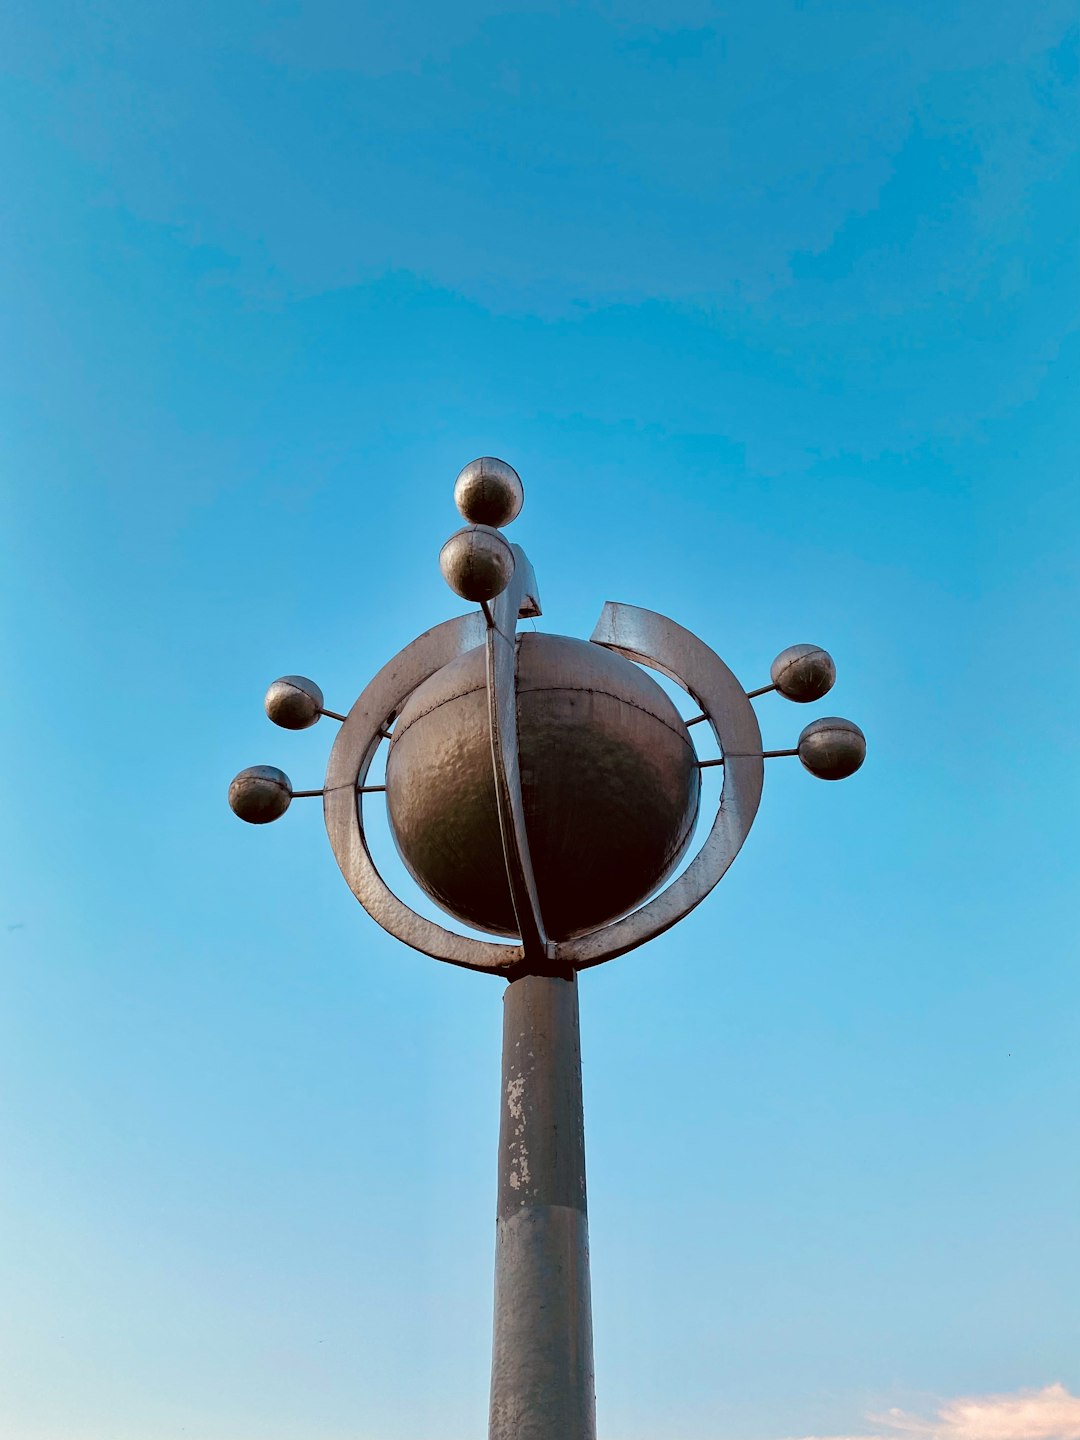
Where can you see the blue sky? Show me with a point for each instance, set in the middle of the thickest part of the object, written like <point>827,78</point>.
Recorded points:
<point>775,310</point>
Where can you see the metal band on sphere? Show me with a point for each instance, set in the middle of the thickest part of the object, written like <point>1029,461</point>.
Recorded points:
<point>543,789</point>
<point>609,786</point>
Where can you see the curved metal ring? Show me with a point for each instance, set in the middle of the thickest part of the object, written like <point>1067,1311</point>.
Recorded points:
<point>656,641</point>
<point>354,748</point>
<point>517,599</point>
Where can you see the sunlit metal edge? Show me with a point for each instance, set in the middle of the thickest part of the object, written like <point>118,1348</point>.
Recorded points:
<point>502,711</point>
<point>350,758</point>
<point>656,641</point>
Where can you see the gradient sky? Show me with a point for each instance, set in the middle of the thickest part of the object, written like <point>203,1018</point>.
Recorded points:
<point>774,307</point>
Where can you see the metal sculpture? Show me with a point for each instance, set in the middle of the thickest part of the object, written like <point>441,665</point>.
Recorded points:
<point>542,788</point>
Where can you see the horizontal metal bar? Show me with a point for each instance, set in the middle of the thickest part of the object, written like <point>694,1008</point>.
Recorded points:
<point>753,694</point>
<point>361,789</point>
<point>333,715</point>
<point>765,755</point>
<point>696,720</point>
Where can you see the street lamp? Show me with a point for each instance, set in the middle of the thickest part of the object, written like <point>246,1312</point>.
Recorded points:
<point>541,789</point>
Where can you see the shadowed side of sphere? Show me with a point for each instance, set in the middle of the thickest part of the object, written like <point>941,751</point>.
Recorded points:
<point>260,793</point>
<point>803,673</point>
<point>293,702</point>
<point>489,492</point>
<point>609,781</point>
<point>831,748</point>
<point>477,563</point>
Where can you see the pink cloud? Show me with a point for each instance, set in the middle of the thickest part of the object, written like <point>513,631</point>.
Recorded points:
<point>1048,1414</point>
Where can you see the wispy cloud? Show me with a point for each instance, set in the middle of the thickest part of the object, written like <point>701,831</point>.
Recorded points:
<point>1048,1414</point>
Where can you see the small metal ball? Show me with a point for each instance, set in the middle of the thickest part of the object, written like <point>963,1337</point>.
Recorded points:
<point>831,748</point>
<point>477,563</point>
<point>293,702</point>
<point>260,793</point>
<point>489,492</point>
<point>803,673</point>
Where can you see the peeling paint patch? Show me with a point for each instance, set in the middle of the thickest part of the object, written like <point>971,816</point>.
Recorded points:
<point>515,1089</point>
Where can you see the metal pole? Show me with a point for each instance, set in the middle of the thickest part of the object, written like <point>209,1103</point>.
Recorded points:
<point>542,1364</point>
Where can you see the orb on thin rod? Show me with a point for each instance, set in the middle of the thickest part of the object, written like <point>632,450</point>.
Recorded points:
<point>803,673</point>
<point>831,748</point>
<point>294,702</point>
<point>260,793</point>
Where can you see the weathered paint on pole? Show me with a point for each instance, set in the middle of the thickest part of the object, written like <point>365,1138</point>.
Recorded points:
<point>542,1384</point>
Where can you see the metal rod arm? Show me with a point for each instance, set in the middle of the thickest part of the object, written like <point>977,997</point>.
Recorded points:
<point>764,754</point>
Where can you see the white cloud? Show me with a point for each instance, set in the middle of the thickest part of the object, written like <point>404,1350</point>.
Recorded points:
<point>1048,1414</point>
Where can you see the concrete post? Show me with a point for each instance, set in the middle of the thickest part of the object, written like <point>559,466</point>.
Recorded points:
<point>542,1365</point>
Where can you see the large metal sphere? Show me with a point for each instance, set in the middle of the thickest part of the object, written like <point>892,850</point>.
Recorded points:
<point>477,563</point>
<point>294,702</point>
<point>609,782</point>
<point>831,748</point>
<point>803,673</point>
<point>260,793</point>
<point>489,492</point>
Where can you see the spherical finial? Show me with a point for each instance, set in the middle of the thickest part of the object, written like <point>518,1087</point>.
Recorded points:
<point>831,748</point>
<point>260,793</point>
<point>489,492</point>
<point>294,702</point>
<point>803,673</point>
<point>477,563</point>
